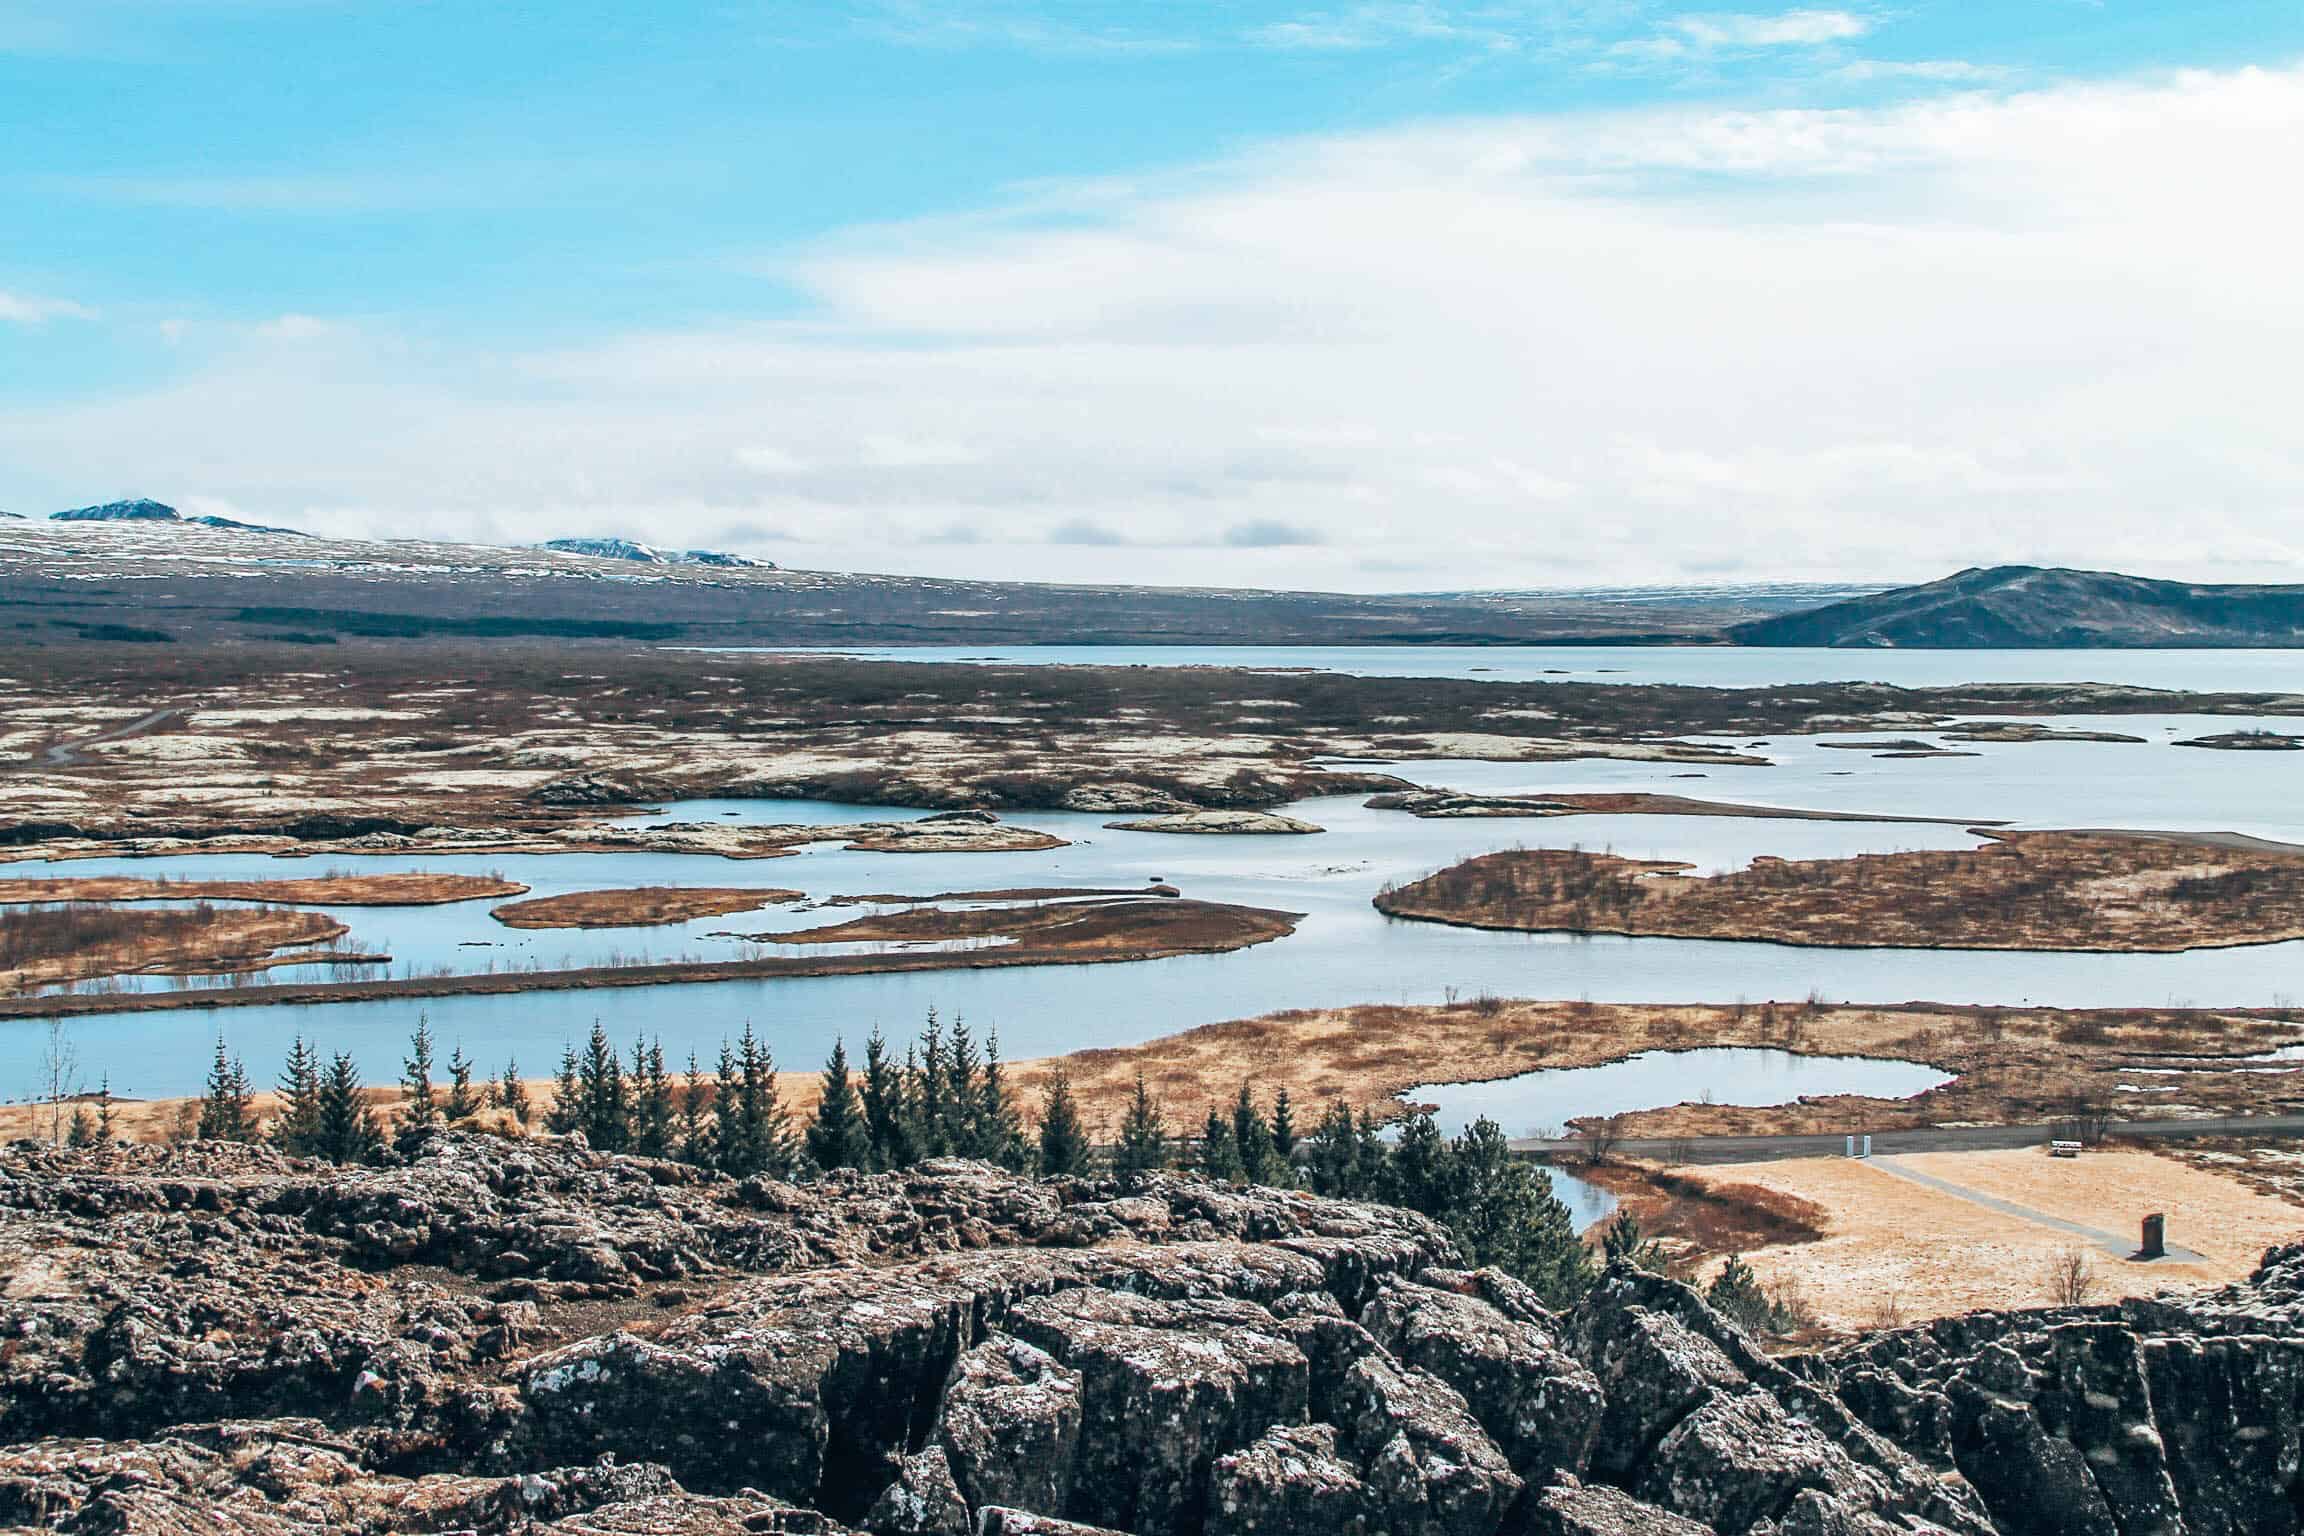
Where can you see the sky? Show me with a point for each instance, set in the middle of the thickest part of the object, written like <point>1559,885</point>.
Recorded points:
<point>1397,295</point>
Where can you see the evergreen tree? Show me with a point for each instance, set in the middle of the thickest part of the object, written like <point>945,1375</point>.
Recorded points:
<point>887,1115</point>
<point>1001,1128</point>
<point>1501,1211</point>
<point>567,1111</point>
<point>1624,1240</point>
<point>345,1131</point>
<point>226,1112</point>
<point>104,1132</point>
<point>1252,1139</point>
<point>965,1133</point>
<point>1374,1175</point>
<point>1063,1139</point>
<point>512,1094</point>
<point>83,1129</point>
<point>731,1152</point>
<point>1419,1173</point>
<point>462,1103</point>
<point>838,1136</point>
<point>767,1140</point>
<point>603,1099</point>
<point>1143,1133</point>
<point>695,1130</point>
<point>653,1114</point>
<point>416,1081</point>
<point>1333,1154</point>
<point>297,1130</point>
<point>1284,1128</point>
<point>1735,1293</point>
<point>931,1117</point>
<point>1219,1153</point>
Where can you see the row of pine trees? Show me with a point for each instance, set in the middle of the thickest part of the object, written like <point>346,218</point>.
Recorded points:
<point>946,1096</point>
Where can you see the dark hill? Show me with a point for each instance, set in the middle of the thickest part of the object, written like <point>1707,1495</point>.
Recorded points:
<point>2026,605</point>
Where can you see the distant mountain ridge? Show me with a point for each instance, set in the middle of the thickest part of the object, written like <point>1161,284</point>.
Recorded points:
<point>2029,606</point>
<point>143,509</point>
<point>649,554</point>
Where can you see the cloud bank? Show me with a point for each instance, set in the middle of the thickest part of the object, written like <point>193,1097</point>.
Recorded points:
<point>2056,325</point>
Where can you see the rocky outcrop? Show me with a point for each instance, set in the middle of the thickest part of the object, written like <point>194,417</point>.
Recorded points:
<point>1220,823</point>
<point>499,1336</point>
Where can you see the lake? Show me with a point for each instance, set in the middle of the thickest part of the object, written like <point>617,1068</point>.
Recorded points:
<point>1344,951</point>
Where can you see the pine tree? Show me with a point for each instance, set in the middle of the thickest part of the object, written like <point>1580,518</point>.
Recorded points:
<point>225,1109</point>
<point>1063,1139</point>
<point>567,1111</point>
<point>1284,1128</point>
<point>1419,1167</point>
<point>755,1133</point>
<point>769,1126</point>
<point>1625,1240</point>
<point>1736,1293</point>
<point>887,1116</point>
<point>731,1152</point>
<point>1332,1156</point>
<point>652,1109</point>
<point>1219,1153</point>
<point>1373,1178</point>
<point>1252,1137</point>
<point>104,1132</point>
<point>512,1094</point>
<point>423,1112</point>
<point>345,1131</point>
<point>1001,1127</point>
<point>462,1103</point>
<point>297,1130</point>
<point>838,1137</point>
<point>695,1130</point>
<point>603,1100</point>
<point>966,1134</point>
<point>931,1116</point>
<point>1143,1133</point>
<point>1501,1211</point>
<point>83,1129</point>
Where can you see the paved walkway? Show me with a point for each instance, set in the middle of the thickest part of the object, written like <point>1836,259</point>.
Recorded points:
<point>2119,1247</point>
<point>1965,1138</point>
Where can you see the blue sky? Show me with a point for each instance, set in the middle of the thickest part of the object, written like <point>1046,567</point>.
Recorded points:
<point>265,254</point>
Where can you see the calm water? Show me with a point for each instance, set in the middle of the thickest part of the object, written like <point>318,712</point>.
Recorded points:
<point>1344,951</point>
<point>1542,1103</point>
<point>1713,666</point>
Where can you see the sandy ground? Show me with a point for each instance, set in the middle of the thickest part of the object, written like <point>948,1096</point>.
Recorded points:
<point>1893,1248</point>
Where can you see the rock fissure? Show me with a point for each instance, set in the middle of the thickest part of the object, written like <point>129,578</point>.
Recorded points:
<point>501,1336</point>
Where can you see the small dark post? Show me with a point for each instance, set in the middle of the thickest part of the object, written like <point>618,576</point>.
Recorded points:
<point>2155,1237</point>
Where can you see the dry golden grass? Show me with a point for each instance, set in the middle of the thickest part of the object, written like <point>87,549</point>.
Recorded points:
<point>1890,1245</point>
<point>415,888</point>
<point>2029,890</point>
<point>638,907</point>
<point>44,946</point>
<point>2014,1066</point>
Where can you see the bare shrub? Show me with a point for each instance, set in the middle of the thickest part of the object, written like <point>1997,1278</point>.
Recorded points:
<point>1599,1136</point>
<point>2072,1278</point>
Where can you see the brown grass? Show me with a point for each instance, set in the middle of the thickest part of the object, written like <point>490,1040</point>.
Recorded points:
<point>1697,1218</point>
<point>2030,890</point>
<point>639,907</point>
<point>412,889</point>
<point>46,945</point>
<point>2014,1066</point>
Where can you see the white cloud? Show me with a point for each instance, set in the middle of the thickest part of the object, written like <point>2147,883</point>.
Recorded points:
<point>2055,324</point>
<point>1786,29</point>
<point>1375,26</point>
<point>1958,71</point>
<point>32,309</point>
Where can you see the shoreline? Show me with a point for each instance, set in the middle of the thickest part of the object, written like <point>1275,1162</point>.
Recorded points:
<point>1254,925</point>
<point>2026,892</point>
